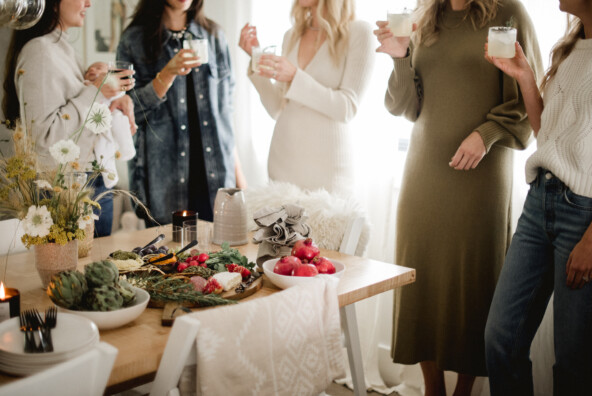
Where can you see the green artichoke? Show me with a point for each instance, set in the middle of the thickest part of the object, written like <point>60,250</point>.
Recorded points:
<point>101,273</point>
<point>104,298</point>
<point>67,289</point>
<point>127,292</point>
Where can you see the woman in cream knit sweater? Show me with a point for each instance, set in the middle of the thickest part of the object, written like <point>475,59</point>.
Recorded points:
<point>551,251</point>
<point>319,80</point>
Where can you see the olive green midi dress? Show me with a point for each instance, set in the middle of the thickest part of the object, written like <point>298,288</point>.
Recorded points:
<point>453,226</point>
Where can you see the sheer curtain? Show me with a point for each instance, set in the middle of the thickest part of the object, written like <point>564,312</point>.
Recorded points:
<point>381,144</point>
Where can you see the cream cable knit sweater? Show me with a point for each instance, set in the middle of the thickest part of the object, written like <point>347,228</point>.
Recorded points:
<point>312,144</point>
<point>564,142</point>
<point>53,99</point>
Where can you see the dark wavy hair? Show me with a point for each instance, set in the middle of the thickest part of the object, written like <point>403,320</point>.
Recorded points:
<point>149,16</point>
<point>48,22</point>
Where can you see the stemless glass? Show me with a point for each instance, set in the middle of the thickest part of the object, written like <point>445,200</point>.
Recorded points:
<point>256,53</point>
<point>399,21</point>
<point>501,42</point>
<point>119,66</point>
<point>189,231</point>
<point>199,46</point>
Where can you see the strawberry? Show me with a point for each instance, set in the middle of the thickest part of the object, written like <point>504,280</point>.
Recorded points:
<point>181,267</point>
<point>213,286</point>
<point>193,263</point>
<point>231,267</point>
<point>203,257</point>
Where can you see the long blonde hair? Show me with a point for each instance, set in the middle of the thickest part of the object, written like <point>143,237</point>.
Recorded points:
<point>333,17</point>
<point>429,13</point>
<point>561,50</point>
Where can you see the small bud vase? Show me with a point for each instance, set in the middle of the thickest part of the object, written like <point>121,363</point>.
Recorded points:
<point>85,245</point>
<point>51,258</point>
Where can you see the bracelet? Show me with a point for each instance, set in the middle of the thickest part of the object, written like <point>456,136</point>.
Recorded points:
<point>167,86</point>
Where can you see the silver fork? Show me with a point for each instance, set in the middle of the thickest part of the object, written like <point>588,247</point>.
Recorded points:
<point>29,338</point>
<point>51,319</point>
<point>37,324</point>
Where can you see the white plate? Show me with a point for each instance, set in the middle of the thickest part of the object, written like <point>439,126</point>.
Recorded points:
<point>71,333</point>
<point>112,319</point>
<point>285,281</point>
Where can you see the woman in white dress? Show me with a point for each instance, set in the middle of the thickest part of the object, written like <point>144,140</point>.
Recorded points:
<point>312,91</point>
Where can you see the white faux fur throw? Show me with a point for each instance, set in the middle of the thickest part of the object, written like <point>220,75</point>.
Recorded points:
<point>328,214</point>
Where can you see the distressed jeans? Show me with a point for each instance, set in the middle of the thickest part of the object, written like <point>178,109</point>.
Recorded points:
<point>552,223</point>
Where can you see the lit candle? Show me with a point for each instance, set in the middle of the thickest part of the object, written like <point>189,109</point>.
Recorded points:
<point>10,302</point>
<point>178,218</point>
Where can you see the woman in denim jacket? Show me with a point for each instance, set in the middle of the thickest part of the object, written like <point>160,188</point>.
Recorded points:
<point>185,142</point>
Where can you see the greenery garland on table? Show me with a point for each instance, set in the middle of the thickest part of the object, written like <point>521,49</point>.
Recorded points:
<point>176,289</point>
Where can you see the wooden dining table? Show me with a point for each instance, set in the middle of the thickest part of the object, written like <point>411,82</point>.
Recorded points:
<point>141,343</point>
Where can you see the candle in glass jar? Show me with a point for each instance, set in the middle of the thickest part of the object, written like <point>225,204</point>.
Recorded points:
<point>10,302</point>
<point>178,218</point>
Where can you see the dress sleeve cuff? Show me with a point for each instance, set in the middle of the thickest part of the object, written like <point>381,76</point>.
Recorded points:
<point>490,132</point>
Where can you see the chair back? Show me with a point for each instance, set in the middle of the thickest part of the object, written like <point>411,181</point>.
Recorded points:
<point>284,344</point>
<point>11,232</point>
<point>86,374</point>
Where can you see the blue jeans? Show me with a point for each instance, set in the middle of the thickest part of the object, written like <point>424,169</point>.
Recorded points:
<point>552,223</point>
<point>105,222</point>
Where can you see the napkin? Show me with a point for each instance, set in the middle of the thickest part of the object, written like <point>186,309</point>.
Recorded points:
<point>279,229</point>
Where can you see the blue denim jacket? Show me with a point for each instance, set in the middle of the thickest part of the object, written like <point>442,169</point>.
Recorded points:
<point>160,170</point>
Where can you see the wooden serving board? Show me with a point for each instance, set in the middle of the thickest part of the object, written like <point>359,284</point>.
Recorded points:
<point>173,309</point>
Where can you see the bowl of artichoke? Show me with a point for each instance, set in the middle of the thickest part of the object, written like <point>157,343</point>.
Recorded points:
<point>98,294</point>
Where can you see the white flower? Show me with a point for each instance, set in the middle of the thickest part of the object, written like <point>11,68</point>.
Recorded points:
<point>99,119</point>
<point>43,185</point>
<point>86,219</point>
<point>65,151</point>
<point>38,221</point>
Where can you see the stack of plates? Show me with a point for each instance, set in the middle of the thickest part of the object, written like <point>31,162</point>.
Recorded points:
<point>72,336</point>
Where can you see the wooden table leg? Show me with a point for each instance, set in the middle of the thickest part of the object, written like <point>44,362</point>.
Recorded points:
<point>354,352</point>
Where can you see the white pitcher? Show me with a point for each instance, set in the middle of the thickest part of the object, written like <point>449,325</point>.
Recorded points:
<point>230,217</point>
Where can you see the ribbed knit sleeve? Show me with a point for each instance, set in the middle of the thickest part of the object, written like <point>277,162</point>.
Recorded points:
<point>340,104</point>
<point>53,100</point>
<point>507,124</point>
<point>271,93</point>
<point>403,94</point>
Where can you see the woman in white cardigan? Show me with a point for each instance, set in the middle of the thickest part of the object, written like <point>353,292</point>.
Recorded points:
<point>44,87</point>
<point>320,77</point>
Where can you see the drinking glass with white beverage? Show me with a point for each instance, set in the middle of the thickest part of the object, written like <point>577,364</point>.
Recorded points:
<point>199,46</point>
<point>501,42</point>
<point>256,53</point>
<point>399,21</point>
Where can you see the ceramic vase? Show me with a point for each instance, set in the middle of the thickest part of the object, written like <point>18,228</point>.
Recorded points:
<point>51,258</point>
<point>230,217</point>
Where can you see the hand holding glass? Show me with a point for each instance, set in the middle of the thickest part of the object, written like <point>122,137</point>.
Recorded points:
<point>256,53</point>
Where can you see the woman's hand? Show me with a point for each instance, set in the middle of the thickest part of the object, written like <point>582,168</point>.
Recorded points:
<point>470,152</point>
<point>126,106</point>
<point>248,38</point>
<point>579,263</point>
<point>181,64</point>
<point>115,83</point>
<point>516,67</point>
<point>276,67</point>
<point>396,47</point>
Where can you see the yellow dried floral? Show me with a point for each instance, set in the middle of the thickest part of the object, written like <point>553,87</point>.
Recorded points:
<point>20,72</point>
<point>66,116</point>
<point>75,165</point>
<point>117,155</point>
<point>57,189</point>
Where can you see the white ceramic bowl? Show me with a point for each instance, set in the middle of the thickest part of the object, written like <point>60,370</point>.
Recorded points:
<point>285,281</point>
<point>106,320</point>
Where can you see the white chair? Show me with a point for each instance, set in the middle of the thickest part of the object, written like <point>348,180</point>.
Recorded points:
<point>336,223</point>
<point>283,344</point>
<point>11,232</point>
<point>86,374</point>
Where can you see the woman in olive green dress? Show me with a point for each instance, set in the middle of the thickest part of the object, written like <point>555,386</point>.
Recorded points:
<point>453,220</point>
